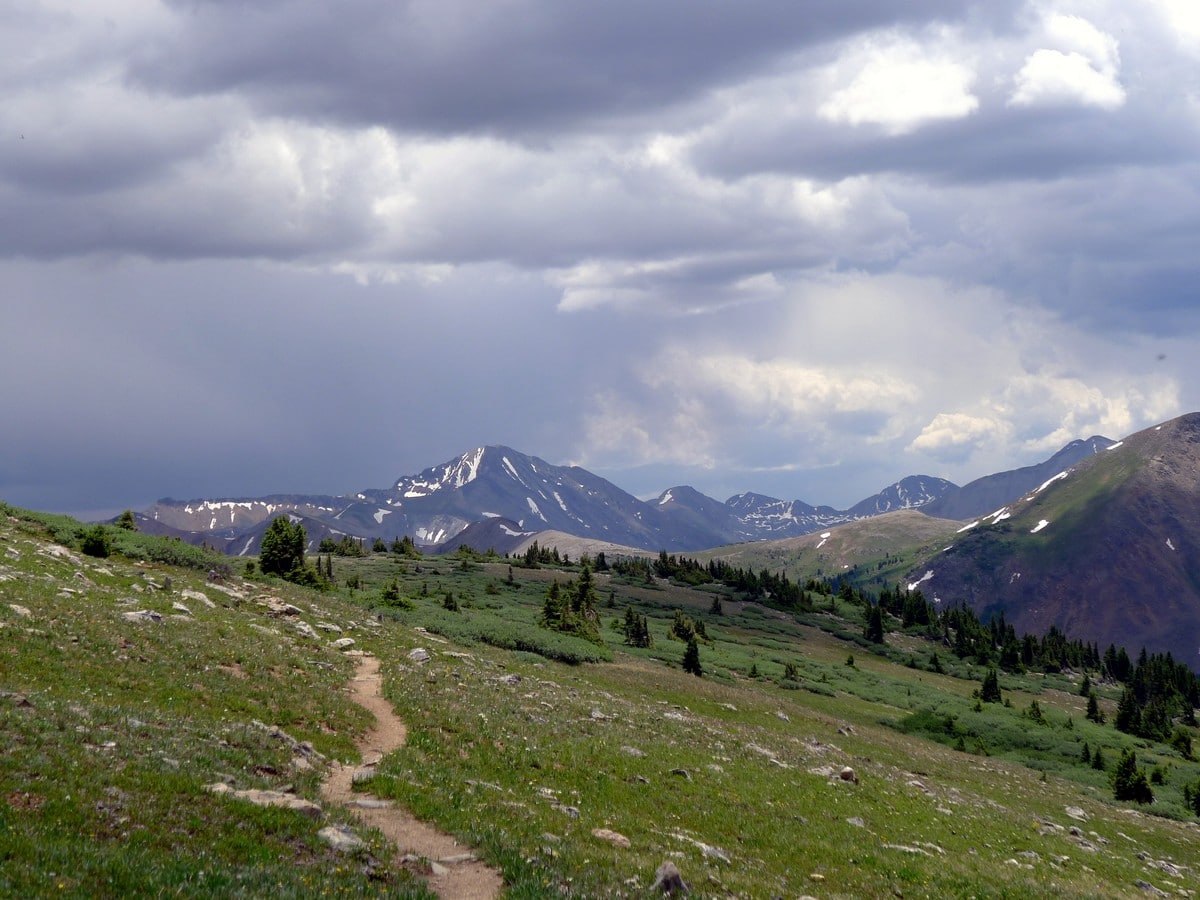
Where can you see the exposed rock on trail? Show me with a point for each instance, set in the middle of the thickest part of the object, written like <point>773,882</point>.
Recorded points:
<point>453,873</point>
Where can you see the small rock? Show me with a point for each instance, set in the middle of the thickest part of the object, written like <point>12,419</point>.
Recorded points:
<point>668,880</point>
<point>856,821</point>
<point>197,596</point>
<point>142,615</point>
<point>21,611</point>
<point>612,837</point>
<point>782,716</point>
<point>305,629</point>
<point>1076,813</point>
<point>343,643</point>
<point>514,678</point>
<point>180,608</point>
<point>340,838</point>
<point>848,774</point>
<point>633,751</point>
<point>419,655</point>
<point>682,773</point>
<point>1150,889</point>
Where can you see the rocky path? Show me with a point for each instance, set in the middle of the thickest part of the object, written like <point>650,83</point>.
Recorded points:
<point>455,872</point>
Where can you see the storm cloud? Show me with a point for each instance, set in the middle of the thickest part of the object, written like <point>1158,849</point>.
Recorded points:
<point>802,249</point>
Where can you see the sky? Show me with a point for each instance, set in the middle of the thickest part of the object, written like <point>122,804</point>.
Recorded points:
<point>803,249</point>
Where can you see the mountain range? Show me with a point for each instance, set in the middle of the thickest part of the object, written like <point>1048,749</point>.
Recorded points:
<point>508,496</point>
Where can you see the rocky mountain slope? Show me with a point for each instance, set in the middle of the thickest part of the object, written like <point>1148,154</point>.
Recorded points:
<point>1107,549</point>
<point>450,503</point>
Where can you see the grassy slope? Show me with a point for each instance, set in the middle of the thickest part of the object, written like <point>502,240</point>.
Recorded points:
<point>527,768</point>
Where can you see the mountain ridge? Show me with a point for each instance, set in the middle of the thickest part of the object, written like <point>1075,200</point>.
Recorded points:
<point>437,504</point>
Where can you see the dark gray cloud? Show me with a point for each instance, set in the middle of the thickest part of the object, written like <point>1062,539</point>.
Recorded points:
<point>519,67</point>
<point>803,249</point>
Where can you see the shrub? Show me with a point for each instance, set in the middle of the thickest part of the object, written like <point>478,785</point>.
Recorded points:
<point>96,542</point>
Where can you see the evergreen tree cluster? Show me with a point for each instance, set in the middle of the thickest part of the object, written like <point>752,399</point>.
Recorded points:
<point>637,629</point>
<point>778,590</point>
<point>406,548</point>
<point>536,555</point>
<point>347,546</point>
<point>685,628</point>
<point>572,608</point>
<point>1157,690</point>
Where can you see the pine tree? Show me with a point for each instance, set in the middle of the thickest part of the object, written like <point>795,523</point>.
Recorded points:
<point>989,691</point>
<point>282,549</point>
<point>1129,713</point>
<point>1130,782</point>
<point>691,659</point>
<point>873,629</point>
<point>126,521</point>
<point>1094,712</point>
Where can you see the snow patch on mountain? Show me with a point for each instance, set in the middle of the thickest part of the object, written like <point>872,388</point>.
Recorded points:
<point>379,514</point>
<point>533,508</point>
<point>916,584</point>
<point>1038,527</point>
<point>1049,481</point>
<point>967,527</point>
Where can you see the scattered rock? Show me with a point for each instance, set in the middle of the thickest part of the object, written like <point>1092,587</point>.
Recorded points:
<point>15,699</point>
<point>21,611</point>
<point>340,838</point>
<point>682,773</point>
<point>270,798</point>
<point>668,880</point>
<point>904,848</point>
<point>1150,889</point>
<point>848,774</point>
<point>343,643</point>
<point>330,627</point>
<point>1076,813</point>
<point>780,714</point>
<point>419,655</point>
<point>513,678</point>
<point>856,821</point>
<point>180,608</point>
<point>633,751</point>
<point>612,837</point>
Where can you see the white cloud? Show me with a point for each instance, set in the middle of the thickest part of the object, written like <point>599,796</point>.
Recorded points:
<point>956,435</point>
<point>1081,67</point>
<point>1182,17</point>
<point>900,85</point>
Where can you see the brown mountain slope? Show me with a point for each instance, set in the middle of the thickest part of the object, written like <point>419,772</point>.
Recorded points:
<point>1108,551</point>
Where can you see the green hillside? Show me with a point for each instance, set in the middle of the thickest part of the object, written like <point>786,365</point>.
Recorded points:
<point>132,682</point>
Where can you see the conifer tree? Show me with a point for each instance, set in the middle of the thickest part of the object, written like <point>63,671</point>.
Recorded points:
<point>1130,782</point>
<point>989,691</point>
<point>691,659</point>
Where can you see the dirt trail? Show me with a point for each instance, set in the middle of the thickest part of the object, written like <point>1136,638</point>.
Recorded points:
<point>456,874</point>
